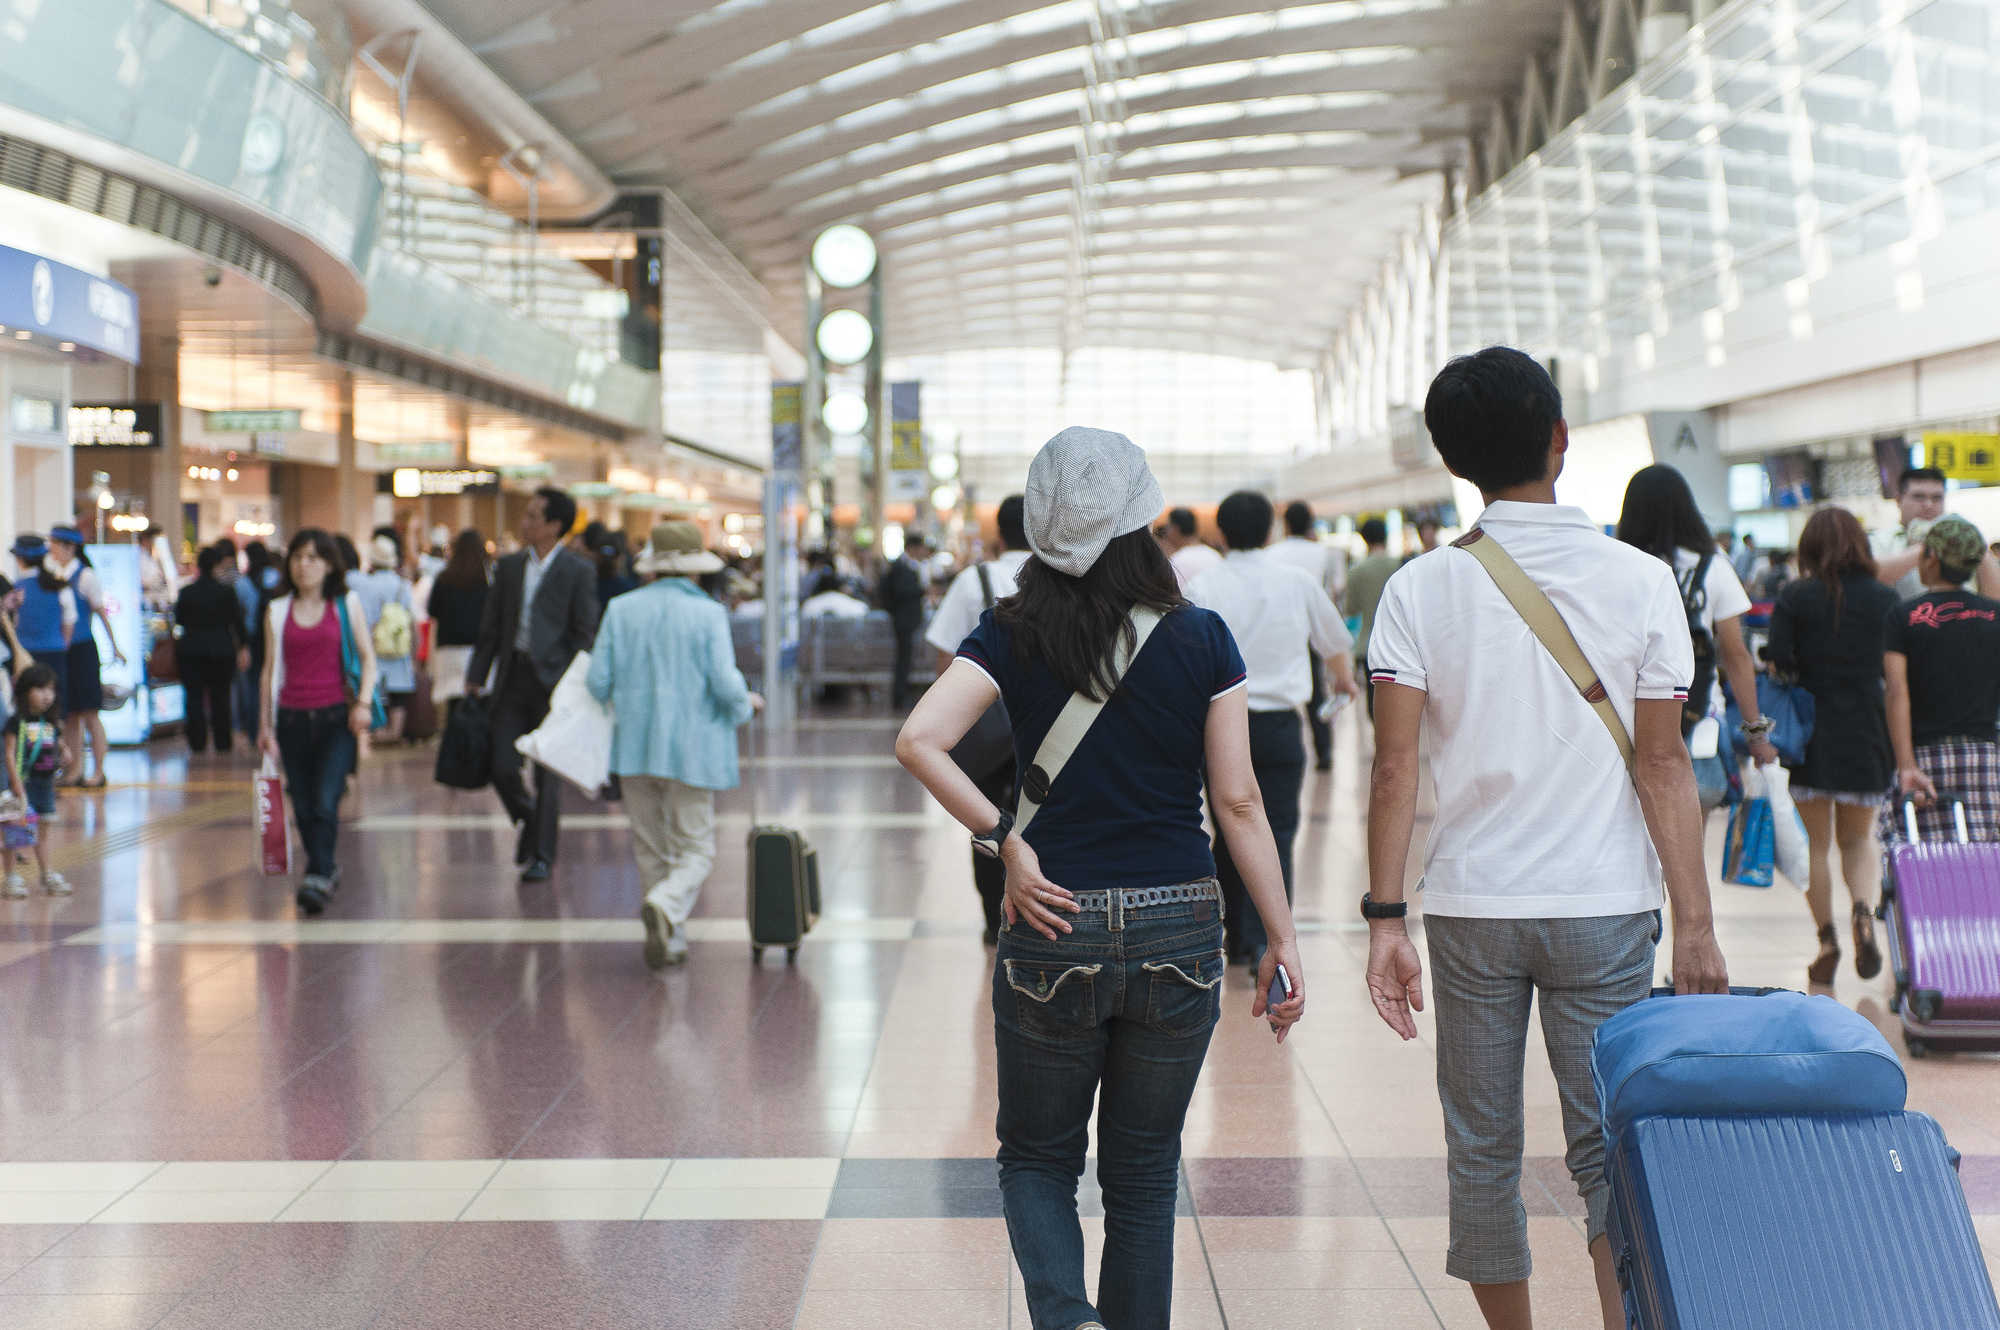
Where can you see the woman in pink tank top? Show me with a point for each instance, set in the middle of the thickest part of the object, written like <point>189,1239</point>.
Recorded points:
<point>313,712</point>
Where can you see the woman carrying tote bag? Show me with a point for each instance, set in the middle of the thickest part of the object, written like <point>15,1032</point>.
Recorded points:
<point>1110,969</point>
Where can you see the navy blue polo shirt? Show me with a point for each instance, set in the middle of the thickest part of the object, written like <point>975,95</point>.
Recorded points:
<point>1125,811</point>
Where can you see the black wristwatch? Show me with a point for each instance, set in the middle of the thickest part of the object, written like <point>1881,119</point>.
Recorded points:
<point>989,844</point>
<point>1371,910</point>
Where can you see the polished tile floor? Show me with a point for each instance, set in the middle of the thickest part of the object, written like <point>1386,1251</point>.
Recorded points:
<point>460,1101</point>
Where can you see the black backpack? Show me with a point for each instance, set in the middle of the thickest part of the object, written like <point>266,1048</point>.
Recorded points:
<point>1694,599</point>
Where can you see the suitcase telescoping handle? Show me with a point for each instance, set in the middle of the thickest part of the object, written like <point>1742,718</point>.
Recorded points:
<point>1954,800</point>
<point>1733,992</point>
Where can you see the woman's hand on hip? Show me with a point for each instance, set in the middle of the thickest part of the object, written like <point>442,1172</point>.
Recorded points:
<point>1281,951</point>
<point>1031,896</point>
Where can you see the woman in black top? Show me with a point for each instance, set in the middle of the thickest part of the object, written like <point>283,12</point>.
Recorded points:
<point>1826,629</point>
<point>1943,669</point>
<point>457,600</point>
<point>213,646</point>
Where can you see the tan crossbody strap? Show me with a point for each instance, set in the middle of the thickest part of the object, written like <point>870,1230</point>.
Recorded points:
<point>1545,621</point>
<point>1075,720</point>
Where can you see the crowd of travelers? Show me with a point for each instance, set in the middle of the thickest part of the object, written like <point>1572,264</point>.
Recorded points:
<point>1580,699</point>
<point>1165,697</point>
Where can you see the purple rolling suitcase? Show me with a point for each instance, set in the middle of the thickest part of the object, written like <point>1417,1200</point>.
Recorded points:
<point>1941,905</point>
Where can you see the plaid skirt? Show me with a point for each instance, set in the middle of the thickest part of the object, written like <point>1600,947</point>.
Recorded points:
<point>1967,768</point>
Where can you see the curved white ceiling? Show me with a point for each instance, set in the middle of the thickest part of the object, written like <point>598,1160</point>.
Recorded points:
<point>1037,174</point>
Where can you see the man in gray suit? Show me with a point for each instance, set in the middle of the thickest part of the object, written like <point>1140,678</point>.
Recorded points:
<point>542,611</point>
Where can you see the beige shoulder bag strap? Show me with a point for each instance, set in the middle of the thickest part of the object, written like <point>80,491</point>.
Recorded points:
<point>1546,623</point>
<point>1074,721</point>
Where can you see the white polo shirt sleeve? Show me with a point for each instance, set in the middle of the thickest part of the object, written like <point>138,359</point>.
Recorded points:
<point>958,613</point>
<point>1666,666</point>
<point>1326,630</point>
<point>1726,597</point>
<point>1395,654</point>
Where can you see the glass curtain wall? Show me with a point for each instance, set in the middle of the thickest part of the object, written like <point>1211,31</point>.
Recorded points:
<point>1777,140</point>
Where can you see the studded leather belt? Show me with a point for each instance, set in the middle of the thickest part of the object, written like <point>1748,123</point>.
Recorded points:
<point>1133,898</point>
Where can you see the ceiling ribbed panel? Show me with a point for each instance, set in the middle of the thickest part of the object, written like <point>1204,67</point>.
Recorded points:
<point>1038,174</point>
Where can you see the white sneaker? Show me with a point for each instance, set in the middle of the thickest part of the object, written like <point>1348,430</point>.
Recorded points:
<point>16,887</point>
<point>55,883</point>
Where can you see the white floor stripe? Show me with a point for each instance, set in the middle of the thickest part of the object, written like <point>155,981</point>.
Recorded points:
<point>803,821</point>
<point>825,762</point>
<point>397,1191</point>
<point>296,932</point>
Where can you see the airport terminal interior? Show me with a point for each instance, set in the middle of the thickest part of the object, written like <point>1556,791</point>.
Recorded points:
<point>773,302</point>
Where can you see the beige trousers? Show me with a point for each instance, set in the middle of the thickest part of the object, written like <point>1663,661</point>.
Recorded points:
<point>673,838</point>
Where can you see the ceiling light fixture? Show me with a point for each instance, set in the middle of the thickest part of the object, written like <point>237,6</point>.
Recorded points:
<point>844,255</point>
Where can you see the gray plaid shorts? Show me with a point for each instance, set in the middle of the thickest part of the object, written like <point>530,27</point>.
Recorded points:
<point>1485,973</point>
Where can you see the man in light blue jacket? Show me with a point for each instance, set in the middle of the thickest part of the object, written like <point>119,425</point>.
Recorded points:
<point>664,662</point>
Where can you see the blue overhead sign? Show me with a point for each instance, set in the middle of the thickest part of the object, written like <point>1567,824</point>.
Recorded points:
<point>66,304</point>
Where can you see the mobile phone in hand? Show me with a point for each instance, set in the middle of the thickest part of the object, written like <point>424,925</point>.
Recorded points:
<point>1281,989</point>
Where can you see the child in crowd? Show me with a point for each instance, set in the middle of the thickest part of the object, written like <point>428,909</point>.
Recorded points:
<point>35,748</point>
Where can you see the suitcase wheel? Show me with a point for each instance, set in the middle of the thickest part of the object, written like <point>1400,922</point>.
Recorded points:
<point>1924,1004</point>
<point>1918,1048</point>
<point>791,955</point>
<point>1896,1002</point>
<point>756,955</point>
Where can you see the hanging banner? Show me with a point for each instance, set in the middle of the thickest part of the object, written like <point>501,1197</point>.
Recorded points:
<point>909,473</point>
<point>787,430</point>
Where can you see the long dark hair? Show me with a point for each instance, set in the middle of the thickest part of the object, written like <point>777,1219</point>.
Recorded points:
<point>466,571</point>
<point>323,545</point>
<point>1833,548</point>
<point>1070,623</point>
<point>1660,515</point>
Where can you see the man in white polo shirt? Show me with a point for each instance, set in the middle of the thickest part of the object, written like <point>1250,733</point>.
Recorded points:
<point>1546,855</point>
<point>1282,620</point>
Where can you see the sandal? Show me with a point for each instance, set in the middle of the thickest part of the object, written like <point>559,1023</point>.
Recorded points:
<point>1867,956</point>
<point>1827,963</point>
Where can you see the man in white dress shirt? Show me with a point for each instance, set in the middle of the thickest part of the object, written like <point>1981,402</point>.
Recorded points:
<point>1326,565</point>
<point>1279,617</point>
<point>970,595</point>
<point>1186,551</point>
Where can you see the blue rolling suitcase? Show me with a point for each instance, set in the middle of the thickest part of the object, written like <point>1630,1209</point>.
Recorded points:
<point>1764,1175</point>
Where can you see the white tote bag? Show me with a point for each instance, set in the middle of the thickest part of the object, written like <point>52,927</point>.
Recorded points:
<point>1794,857</point>
<point>574,740</point>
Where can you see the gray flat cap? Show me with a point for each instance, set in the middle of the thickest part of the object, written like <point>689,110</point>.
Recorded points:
<point>1087,487</point>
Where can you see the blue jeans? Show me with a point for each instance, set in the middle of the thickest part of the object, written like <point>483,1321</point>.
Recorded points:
<point>1118,1011</point>
<point>319,755</point>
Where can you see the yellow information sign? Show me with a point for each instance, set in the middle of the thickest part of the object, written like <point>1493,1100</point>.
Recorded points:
<point>1963,455</point>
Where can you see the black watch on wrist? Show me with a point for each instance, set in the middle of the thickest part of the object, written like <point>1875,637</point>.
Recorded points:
<point>989,844</point>
<point>1371,910</point>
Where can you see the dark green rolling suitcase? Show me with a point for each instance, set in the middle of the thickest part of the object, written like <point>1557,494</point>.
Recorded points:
<point>783,892</point>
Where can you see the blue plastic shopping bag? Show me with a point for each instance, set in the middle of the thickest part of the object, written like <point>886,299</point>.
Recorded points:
<point>1750,849</point>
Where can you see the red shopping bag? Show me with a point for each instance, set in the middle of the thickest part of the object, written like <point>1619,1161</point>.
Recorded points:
<point>273,836</point>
